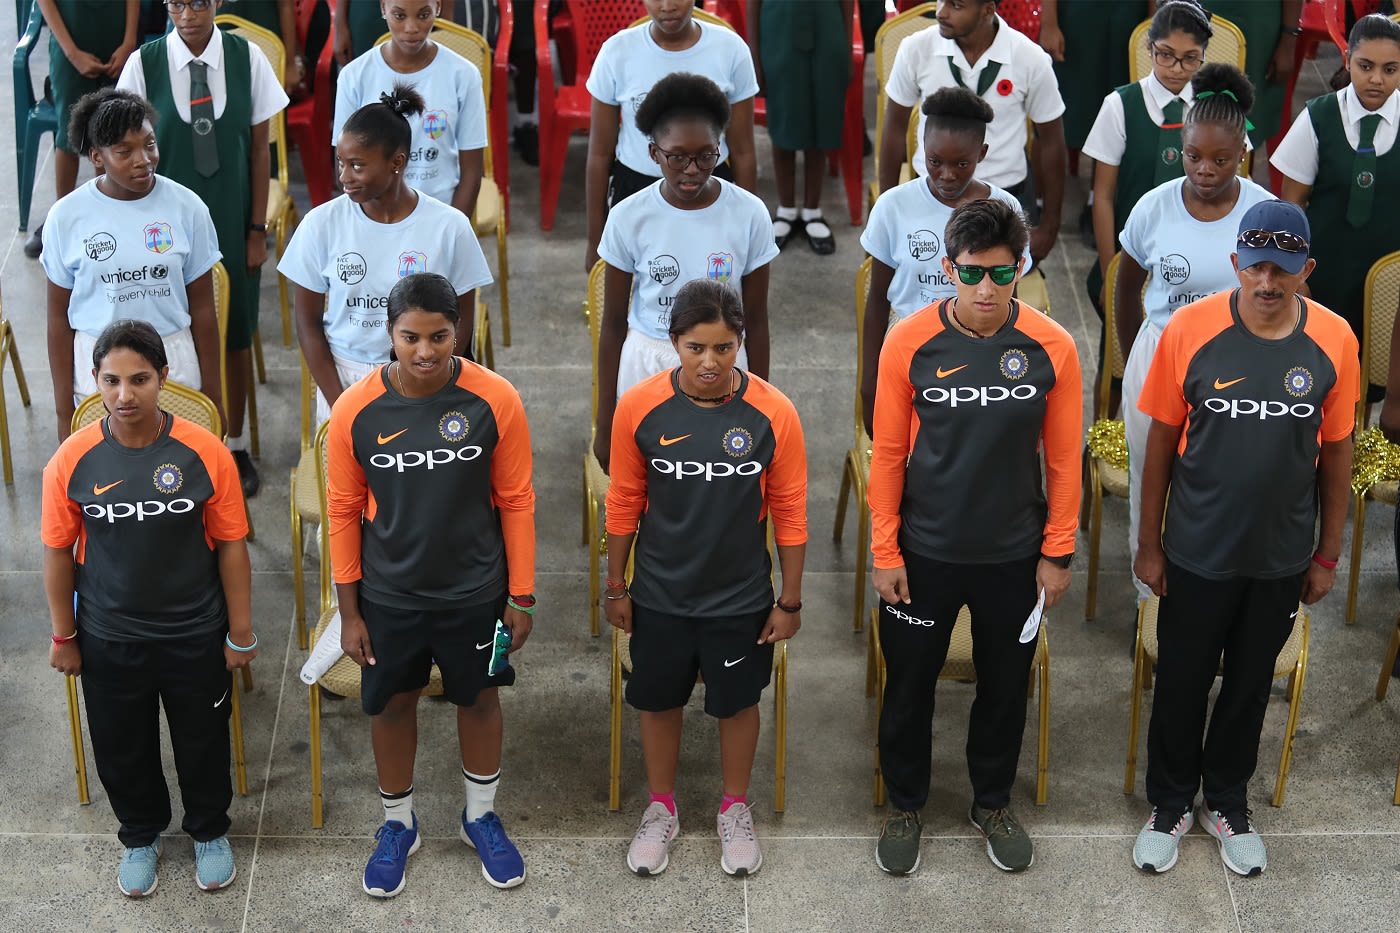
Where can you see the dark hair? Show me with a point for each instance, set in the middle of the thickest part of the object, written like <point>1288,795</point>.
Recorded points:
<point>423,291</point>
<point>104,117</point>
<point>982,225</point>
<point>957,110</point>
<point>679,96</point>
<point>1372,26</point>
<point>1186,16</point>
<point>385,122</point>
<point>128,334</point>
<point>706,301</point>
<point>1223,95</point>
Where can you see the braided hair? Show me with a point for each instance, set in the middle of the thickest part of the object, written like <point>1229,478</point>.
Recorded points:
<point>1186,16</point>
<point>105,116</point>
<point>385,122</point>
<point>1223,96</point>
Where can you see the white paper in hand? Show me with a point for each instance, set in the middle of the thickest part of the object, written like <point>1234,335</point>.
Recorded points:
<point>1032,626</point>
<point>324,654</point>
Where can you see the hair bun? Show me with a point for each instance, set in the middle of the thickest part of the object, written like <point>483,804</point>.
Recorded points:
<point>396,104</point>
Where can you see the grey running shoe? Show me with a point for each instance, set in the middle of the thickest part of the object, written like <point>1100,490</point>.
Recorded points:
<point>650,851</point>
<point>897,852</point>
<point>1008,845</point>
<point>1241,848</point>
<point>739,852</point>
<point>1157,842</point>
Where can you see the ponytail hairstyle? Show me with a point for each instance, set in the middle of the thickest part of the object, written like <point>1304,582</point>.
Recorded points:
<point>104,117</point>
<point>1186,16</point>
<point>1373,26</point>
<point>1224,96</point>
<point>706,301</point>
<point>423,291</point>
<point>678,96</point>
<point>128,334</point>
<point>385,122</point>
<point>957,110</point>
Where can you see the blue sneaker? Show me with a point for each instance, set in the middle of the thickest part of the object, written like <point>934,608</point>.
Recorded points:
<point>1241,846</point>
<point>501,864</point>
<point>136,875</point>
<point>213,864</point>
<point>384,875</point>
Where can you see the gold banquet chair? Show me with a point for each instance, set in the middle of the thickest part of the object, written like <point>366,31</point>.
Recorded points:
<point>195,407</point>
<point>959,667</point>
<point>221,301</point>
<point>887,40</point>
<point>595,481</point>
<point>1105,477</point>
<point>1382,296</point>
<point>1227,45</point>
<point>9,352</point>
<point>306,509</point>
<point>855,475</point>
<point>1292,663</point>
<point>1383,684</point>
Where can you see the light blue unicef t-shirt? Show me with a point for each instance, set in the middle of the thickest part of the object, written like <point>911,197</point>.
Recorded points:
<point>1186,259</point>
<point>630,63</point>
<point>663,247</point>
<point>129,259</point>
<point>905,232</point>
<point>355,262</point>
<point>453,120</point>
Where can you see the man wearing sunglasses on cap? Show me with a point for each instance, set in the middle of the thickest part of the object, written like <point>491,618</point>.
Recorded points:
<point>971,391</point>
<point>1252,394</point>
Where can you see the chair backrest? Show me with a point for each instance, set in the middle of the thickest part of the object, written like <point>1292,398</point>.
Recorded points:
<point>271,47</point>
<point>322,474</point>
<point>594,311</point>
<point>178,399</point>
<point>700,16</point>
<point>862,299</point>
<point>1112,348</point>
<point>594,22</point>
<point>221,299</point>
<point>887,40</point>
<point>1227,45</point>
<point>1382,300</point>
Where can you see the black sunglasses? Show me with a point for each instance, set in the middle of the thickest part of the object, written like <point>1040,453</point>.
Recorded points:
<point>971,275</point>
<point>1288,242</point>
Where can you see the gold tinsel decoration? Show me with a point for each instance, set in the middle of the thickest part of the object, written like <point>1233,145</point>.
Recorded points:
<point>1374,460</point>
<point>1107,442</point>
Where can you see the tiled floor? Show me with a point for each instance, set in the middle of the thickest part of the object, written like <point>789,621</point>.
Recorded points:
<point>1335,846</point>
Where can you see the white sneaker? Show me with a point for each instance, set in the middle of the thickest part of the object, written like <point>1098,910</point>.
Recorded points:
<point>739,853</point>
<point>650,851</point>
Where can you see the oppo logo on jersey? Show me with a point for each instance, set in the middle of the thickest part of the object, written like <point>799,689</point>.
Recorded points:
<point>137,510</point>
<point>977,395</point>
<point>685,469</point>
<point>1253,408</point>
<point>429,459</point>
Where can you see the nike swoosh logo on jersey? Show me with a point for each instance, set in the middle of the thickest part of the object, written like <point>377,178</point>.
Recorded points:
<point>945,373</point>
<point>99,490</point>
<point>221,700</point>
<point>485,646</point>
<point>1226,385</point>
<point>384,440</point>
<point>734,662</point>
<point>668,441</point>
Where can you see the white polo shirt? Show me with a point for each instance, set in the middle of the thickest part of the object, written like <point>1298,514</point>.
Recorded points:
<point>267,93</point>
<point>1025,87</point>
<point>1297,154</point>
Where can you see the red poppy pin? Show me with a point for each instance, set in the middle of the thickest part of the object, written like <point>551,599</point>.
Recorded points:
<point>1004,87</point>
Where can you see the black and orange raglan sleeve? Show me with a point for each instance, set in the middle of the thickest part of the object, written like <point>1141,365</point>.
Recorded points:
<point>512,483</point>
<point>785,490</point>
<point>1061,436</point>
<point>894,435</point>
<point>347,490</point>
<point>225,517</point>
<point>1163,396</point>
<point>61,518</point>
<point>1334,336</point>
<point>627,470</point>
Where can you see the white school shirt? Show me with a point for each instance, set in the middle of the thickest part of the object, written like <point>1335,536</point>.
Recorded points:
<point>267,93</point>
<point>1108,138</point>
<point>630,63</point>
<point>1186,259</point>
<point>454,119</point>
<point>663,247</point>
<point>921,67</point>
<point>355,262</point>
<point>129,258</point>
<point>905,232</point>
<point>1297,153</point>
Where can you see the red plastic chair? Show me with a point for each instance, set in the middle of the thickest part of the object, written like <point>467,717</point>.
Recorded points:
<point>1023,16</point>
<point>309,120</point>
<point>566,109</point>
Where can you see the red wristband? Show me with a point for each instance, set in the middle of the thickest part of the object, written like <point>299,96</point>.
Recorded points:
<point>1324,562</point>
<point>615,584</point>
<point>63,639</point>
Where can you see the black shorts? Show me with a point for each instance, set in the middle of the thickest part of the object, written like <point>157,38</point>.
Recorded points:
<point>669,651</point>
<point>407,642</point>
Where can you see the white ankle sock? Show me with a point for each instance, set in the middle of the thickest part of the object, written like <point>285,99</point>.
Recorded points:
<point>481,793</point>
<point>811,213</point>
<point>786,213</point>
<point>398,806</point>
<point>237,443</point>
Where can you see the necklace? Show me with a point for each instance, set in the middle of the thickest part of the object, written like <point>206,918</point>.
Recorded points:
<point>397,378</point>
<point>976,335</point>
<point>160,426</point>
<point>715,399</point>
<point>398,381</point>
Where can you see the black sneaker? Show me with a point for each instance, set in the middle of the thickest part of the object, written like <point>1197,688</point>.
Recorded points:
<point>527,143</point>
<point>1008,845</point>
<point>247,473</point>
<point>897,851</point>
<point>35,244</point>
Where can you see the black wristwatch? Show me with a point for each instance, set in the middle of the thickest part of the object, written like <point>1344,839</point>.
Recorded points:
<point>1062,562</point>
<point>257,228</point>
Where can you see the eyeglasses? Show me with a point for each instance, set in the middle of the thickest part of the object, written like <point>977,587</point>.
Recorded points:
<point>1288,242</point>
<point>680,161</point>
<point>1165,59</point>
<point>176,7</point>
<point>971,275</point>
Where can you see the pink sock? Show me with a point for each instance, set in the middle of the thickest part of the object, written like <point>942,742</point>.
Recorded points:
<point>729,801</point>
<point>668,800</point>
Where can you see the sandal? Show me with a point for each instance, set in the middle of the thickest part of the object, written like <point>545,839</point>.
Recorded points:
<point>819,236</point>
<point>784,230</point>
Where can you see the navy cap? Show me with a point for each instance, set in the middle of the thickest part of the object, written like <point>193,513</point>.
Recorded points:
<point>1276,217</point>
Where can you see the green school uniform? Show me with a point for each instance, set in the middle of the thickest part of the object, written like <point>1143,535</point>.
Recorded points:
<point>1261,21</point>
<point>805,49</point>
<point>98,27</point>
<point>1096,34</point>
<point>264,13</point>
<point>366,22</point>
<point>228,193</point>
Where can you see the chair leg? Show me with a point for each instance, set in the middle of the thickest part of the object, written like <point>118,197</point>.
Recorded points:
<point>840,523</point>
<point>862,543</point>
<point>298,570</point>
<point>615,742</point>
<point>1358,527</point>
<point>258,365</point>
<point>1300,672</point>
<point>315,717</point>
<point>878,797</point>
<point>240,763</point>
<point>282,297</point>
<point>1134,704</point>
<point>75,726</point>
<point>1042,761</point>
<point>503,264</point>
<point>1091,599</point>
<point>8,462</point>
<point>591,530</point>
<point>780,730</point>
<point>18,367</point>
<point>9,351</point>
<point>248,514</point>
<point>247,677</point>
<point>1383,684</point>
<point>870,673</point>
<point>253,446</point>
<point>1397,787</point>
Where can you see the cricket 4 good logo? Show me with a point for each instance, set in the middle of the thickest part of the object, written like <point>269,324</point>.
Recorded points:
<point>351,268</point>
<point>923,244</point>
<point>100,246</point>
<point>664,269</point>
<point>1174,268</point>
<point>709,472</point>
<point>425,459</point>
<point>112,512</point>
<point>981,396</point>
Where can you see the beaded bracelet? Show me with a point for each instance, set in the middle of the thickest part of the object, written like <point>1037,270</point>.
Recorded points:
<point>239,648</point>
<point>528,610</point>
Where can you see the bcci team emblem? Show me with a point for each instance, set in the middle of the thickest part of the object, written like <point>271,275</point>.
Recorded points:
<point>435,123</point>
<point>454,426</point>
<point>1171,155</point>
<point>168,478</point>
<point>157,237</point>
<point>738,442</point>
<point>1365,180</point>
<point>720,266</point>
<point>412,262</point>
<point>1298,382</point>
<point>1013,364</point>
